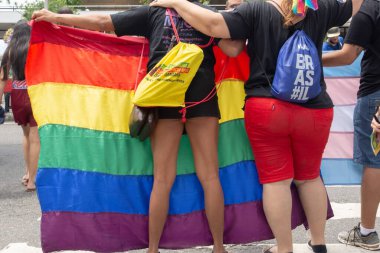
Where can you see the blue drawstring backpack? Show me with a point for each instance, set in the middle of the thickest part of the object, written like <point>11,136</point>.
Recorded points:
<point>298,70</point>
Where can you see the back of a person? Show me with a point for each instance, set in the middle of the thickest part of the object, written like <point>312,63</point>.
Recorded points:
<point>370,65</point>
<point>267,46</point>
<point>158,30</point>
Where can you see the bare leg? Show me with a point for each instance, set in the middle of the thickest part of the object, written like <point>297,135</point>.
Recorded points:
<point>34,152</point>
<point>203,134</point>
<point>314,201</point>
<point>277,200</point>
<point>370,197</point>
<point>165,144</point>
<point>25,146</point>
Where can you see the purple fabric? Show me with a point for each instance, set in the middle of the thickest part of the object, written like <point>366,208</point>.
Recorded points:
<point>110,232</point>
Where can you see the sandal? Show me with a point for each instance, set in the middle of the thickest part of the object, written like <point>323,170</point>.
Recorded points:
<point>268,250</point>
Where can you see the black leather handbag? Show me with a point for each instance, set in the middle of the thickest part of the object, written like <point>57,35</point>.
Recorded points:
<point>142,122</point>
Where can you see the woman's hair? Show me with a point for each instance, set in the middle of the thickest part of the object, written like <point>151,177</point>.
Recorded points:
<point>4,65</point>
<point>18,49</point>
<point>288,12</point>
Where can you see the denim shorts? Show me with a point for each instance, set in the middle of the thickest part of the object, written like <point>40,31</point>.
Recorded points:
<point>363,114</point>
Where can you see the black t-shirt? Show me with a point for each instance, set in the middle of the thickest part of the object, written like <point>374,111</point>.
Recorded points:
<point>154,24</point>
<point>262,24</point>
<point>365,32</point>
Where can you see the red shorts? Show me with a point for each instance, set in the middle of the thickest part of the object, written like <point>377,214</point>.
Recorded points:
<point>21,108</point>
<point>288,140</point>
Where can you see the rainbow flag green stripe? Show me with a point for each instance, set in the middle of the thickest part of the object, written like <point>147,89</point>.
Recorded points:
<point>85,149</point>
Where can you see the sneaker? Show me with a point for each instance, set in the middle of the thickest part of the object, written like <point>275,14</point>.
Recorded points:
<point>317,248</point>
<point>355,238</point>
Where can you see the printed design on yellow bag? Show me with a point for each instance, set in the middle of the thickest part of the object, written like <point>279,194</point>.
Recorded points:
<point>166,84</point>
<point>170,70</point>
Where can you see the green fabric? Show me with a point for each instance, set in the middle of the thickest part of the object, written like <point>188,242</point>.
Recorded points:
<point>119,154</point>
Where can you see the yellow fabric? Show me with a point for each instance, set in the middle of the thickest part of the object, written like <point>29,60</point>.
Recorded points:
<point>81,106</point>
<point>66,104</point>
<point>166,84</point>
<point>231,98</point>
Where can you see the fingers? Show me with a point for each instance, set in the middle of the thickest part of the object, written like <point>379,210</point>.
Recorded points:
<point>375,126</point>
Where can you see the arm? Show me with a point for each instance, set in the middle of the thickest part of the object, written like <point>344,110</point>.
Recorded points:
<point>356,6</point>
<point>346,56</point>
<point>206,21</point>
<point>232,48</point>
<point>96,22</point>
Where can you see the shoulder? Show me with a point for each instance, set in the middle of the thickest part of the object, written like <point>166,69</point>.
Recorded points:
<point>371,8</point>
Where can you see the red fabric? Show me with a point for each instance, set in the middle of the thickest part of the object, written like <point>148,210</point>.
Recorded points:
<point>21,108</point>
<point>234,68</point>
<point>8,86</point>
<point>44,32</point>
<point>288,140</point>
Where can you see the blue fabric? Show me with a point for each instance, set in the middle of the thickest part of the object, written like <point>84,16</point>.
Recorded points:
<point>88,192</point>
<point>328,47</point>
<point>298,70</point>
<point>339,171</point>
<point>352,70</point>
<point>363,114</point>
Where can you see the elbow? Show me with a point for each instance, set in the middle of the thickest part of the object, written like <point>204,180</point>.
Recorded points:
<point>233,52</point>
<point>104,23</point>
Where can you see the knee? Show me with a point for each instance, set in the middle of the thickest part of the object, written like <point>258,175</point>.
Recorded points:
<point>207,178</point>
<point>164,182</point>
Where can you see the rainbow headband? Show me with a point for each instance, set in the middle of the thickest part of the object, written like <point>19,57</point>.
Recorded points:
<point>299,6</point>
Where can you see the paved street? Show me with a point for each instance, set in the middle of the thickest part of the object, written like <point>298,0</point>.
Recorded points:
<point>20,212</point>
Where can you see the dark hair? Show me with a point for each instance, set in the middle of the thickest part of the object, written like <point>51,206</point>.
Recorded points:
<point>65,10</point>
<point>18,49</point>
<point>4,64</point>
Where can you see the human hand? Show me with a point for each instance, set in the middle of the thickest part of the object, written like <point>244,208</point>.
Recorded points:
<point>375,124</point>
<point>165,3</point>
<point>44,15</point>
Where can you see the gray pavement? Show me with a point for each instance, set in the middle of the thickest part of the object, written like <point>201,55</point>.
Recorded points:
<point>20,212</point>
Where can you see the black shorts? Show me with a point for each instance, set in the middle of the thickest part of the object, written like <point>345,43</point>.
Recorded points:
<point>200,87</point>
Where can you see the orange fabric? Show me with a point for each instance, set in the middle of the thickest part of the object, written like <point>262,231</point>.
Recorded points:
<point>80,66</point>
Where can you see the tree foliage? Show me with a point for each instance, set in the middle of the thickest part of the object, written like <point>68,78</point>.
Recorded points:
<point>54,5</point>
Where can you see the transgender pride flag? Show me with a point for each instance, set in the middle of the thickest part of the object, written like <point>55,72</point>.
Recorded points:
<point>94,180</point>
<point>337,164</point>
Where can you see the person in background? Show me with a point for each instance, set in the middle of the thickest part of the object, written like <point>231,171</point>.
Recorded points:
<point>65,10</point>
<point>232,4</point>
<point>334,40</point>
<point>2,111</point>
<point>287,139</point>
<point>16,53</point>
<point>364,34</point>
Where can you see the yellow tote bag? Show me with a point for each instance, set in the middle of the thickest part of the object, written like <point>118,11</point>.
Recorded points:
<point>166,84</point>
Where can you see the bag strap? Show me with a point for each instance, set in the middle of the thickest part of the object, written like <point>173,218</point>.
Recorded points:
<point>140,63</point>
<point>177,35</point>
<point>212,93</point>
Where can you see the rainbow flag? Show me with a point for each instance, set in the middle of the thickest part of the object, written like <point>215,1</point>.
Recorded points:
<point>94,180</point>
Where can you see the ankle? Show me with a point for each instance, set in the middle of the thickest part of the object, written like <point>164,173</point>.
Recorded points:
<point>366,231</point>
